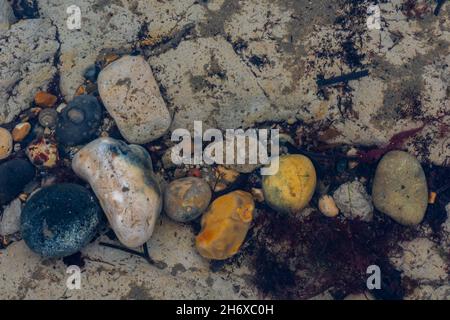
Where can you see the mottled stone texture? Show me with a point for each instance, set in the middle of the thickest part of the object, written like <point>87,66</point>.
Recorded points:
<point>23,73</point>
<point>122,178</point>
<point>131,95</point>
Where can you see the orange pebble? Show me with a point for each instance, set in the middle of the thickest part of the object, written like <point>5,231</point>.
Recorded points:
<point>80,91</point>
<point>225,225</point>
<point>432,197</point>
<point>21,131</point>
<point>45,99</point>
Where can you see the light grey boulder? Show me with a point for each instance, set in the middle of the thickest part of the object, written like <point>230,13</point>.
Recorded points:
<point>7,17</point>
<point>353,201</point>
<point>26,64</point>
<point>10,220</point>
<point>131,95</point>
<point>400,188</point>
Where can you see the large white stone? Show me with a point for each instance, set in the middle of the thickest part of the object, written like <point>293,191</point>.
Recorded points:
<point>122,178</point>
<point>131,95</point>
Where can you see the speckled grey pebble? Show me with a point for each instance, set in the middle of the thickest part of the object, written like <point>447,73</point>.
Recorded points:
<point>400,188</point>
<point>353,201</point>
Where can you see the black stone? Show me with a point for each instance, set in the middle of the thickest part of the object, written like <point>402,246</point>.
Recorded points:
<point>79,121</point>
<point>91,73</point>
<point>14,176</point>
<point>60,220</point>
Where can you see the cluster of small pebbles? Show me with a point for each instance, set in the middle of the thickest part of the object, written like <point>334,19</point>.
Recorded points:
<point>107,141</point>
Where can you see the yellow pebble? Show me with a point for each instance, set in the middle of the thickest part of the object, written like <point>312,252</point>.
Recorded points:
<point>328,207</point>
<point>6,143</point>
<point>292,187</point>
<point>225,225</point>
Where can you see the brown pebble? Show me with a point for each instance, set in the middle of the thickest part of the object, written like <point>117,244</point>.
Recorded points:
<point>45,99</point>
<point>110,58</point>
<point>80,91</point>
<point>6,144</point>
<point>21,131</point>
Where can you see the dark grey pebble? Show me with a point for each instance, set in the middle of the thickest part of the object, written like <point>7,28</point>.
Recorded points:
<point>79,121</point>
<point>14,176</point>
<point>91,73</point>
<point>60,220</point>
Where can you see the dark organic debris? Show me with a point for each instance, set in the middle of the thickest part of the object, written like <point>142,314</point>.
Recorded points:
<point>298,258</point>
<point>25,9</point>
<point>322,82</point>
<point>394,143</point>
<point>144,255</point>
<point>440,4</point>
<point>75,259</point>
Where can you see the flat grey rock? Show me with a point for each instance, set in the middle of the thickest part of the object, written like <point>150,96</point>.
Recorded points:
<point>10,219</point>
<point>6,15</point>
<point>24,73</point>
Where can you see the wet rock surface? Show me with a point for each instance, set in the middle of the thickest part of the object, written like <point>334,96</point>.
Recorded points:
<point>121,176</point>
<point>341,94</point>
<point>22,77</point>
<point>131,95</point>
<point>59,220</point>
<point>400,188</point>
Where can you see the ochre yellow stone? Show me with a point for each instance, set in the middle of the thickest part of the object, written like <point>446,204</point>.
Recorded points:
<point>225,225</point>
<point>292,187</point>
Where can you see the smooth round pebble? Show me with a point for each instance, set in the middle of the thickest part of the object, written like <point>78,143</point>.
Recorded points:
<point>327,206</point>
<point>21,131</point>
<point>6,143</point>
<point>292,187</point>
<point>400,188</point>
<point>45,99</point>
<point>59,220</point>
<point>225,225</point>
<point>43,152</point>
<point>79,121</point>
<point>14,176</point>
<point>186,199</point>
